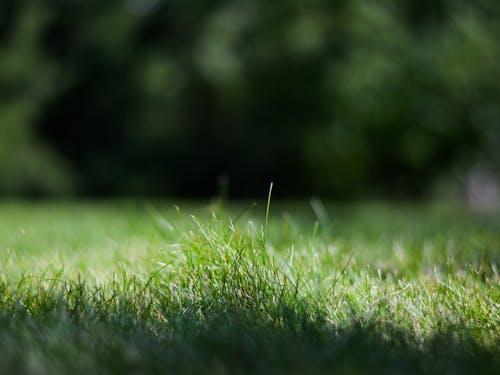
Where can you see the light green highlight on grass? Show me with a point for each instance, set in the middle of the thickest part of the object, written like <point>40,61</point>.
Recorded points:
<point>128,287</point>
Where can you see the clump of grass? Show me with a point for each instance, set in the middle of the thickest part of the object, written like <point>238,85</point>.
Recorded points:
<point>218,295</point>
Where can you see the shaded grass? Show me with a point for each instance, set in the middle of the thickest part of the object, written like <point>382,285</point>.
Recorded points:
<point>374,288</point>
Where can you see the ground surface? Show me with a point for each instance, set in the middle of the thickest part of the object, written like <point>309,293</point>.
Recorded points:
<point>129,287</point>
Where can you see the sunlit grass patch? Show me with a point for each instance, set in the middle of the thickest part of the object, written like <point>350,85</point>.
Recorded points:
<point>128,288</point>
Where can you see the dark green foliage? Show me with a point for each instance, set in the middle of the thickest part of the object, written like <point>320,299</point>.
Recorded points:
<point>340,98</point>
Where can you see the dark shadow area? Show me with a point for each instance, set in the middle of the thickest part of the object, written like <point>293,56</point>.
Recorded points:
<point>120,340</point>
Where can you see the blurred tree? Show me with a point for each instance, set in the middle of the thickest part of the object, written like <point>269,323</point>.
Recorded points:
<point>161,97</point>
<point>27,77</point>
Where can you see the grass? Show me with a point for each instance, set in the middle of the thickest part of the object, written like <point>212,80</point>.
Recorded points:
<point>136,288</point>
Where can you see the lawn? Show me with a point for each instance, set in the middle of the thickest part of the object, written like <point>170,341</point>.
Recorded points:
<point>310,287</point>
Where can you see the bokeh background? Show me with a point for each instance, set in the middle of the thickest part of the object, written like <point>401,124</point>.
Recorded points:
<point>342,99</point>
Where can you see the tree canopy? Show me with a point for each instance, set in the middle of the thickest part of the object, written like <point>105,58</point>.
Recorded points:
<point>341,98</point>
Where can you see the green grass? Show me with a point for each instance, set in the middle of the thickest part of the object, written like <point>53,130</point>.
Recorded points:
<point>137,288</point>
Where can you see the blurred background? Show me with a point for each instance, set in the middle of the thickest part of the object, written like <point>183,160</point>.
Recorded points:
<point>191,98</point>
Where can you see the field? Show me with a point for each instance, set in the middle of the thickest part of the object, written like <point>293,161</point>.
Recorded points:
<point>302,287</point>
